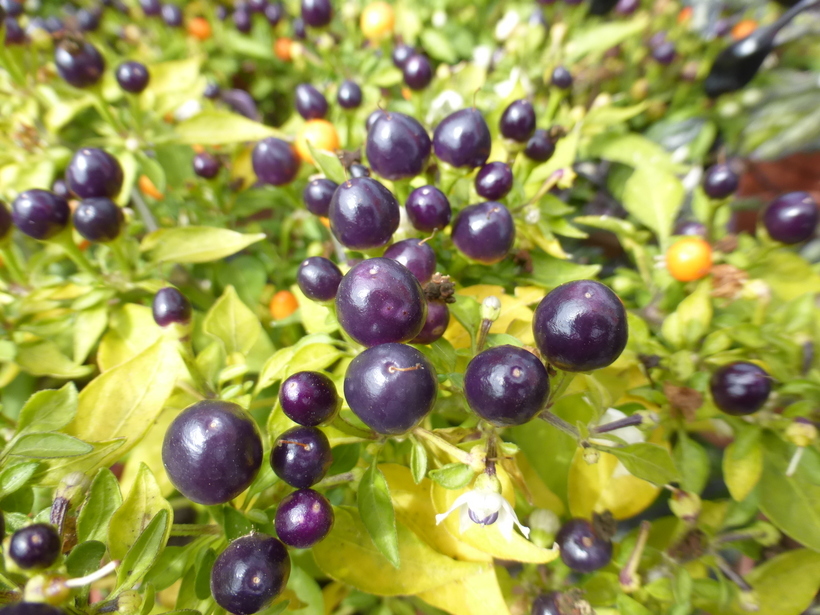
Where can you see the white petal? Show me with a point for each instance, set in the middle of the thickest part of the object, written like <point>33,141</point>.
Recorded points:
<point>464,521</point>
<point>485,503</point>
<point>461,500</point>
<point>505,524</point>
<point>508,509</point>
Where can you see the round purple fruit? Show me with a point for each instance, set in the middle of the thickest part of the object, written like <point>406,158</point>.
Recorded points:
<point>397,146</point>
<point>133,76</point>
<point>301,456</point>
<point>582,549</point>
<point>275,162</point>
<point>93,172</point>
<point>317,13</point>
<point>720,181</point>
<point>791,218</point>
<point>462,139</point>
<point>417,71</point>
<point>380,301</point>
<point>416,255</point>
<point>561,78</point>
<point>303,518</point>
<point>438,318</point>
<point>494,181</point>
<point>249,574</point>
<point>98,219</point>
<point>309,398</point>
<point>349,95</point>
<point>171,307</point>
<point>540,147</point>
<point>310,102</point>
<point>39,213</point>
<point>391,387</point>
<point>580,326</point>
<point>363,214</point>
<point>740,388</point>
<point>212,451</point>
<point>506,385</point>
<point>35,546</point>
<point>79,64</point>
<point>484,232</point>
<point>317,195</point>
<point>318,278</point>
<point>518,121</point>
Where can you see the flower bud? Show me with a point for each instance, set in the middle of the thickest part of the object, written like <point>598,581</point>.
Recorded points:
<point>487,482</point>
<point>48,588</point>
<point>801,432</point>
<point>685,506</point>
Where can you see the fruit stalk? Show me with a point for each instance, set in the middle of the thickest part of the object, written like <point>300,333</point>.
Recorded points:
<point>66,242</point>
<point>442,444</point>
<point>628,577</point>
<point>559,423</point>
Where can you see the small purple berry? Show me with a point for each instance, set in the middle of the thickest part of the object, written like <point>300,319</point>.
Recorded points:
<point>561,78</point>
<point>438,318</point>
<point>206,165</point>
<point>417,71</point>
<point>98,219</point>
<point>398,146</point>
<point>494,181</point>
<point>303,518</point>
<point>349,95</point>
<point>582,549</point>
<point>664,53</point>
<point>171,307</point>
<point>484,232</point>
<point>791,218</point>
<point>428,209</point>
<point>720,181</point>
<point>418,257</point>
<point>462,139</point>
<point>317,13</point>
<point>401,53</point>
<point>319,278</point>
<point>275,162</point>
<point>172,15</point>
<point>301,456</point>
<point>79,64</point>
<point>740,388</point>
<point>133,76</point>
<point>310,102</point>
<point>40,214</point>
<point>518,121</point>
<point>309,398</point>
<point>317,195</point>
<point>363,214</point>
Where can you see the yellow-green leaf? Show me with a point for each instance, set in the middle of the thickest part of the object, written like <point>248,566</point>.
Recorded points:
<point>743,464</point>
<point>787,583</point>
<point>654,197</point>
<point>52,471</point>
<point>131,330</point>
<point>195,244</point>
<point>233,323</point>
<point>88,327</point>
<point>44,358</point>
<point>221,127</point>
<point>478,594</point>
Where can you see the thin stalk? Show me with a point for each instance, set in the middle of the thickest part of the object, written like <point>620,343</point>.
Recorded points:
<point>8,582</point>
<point>444,446</point>
<point>629,421</point>
<point>118,252</point>
<point>338,479</point>
<point>195,529</point>
<point>66,242</point>
<point>144,210</point>
<point>559,423</point>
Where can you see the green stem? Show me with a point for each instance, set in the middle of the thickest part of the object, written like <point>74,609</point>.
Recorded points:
<point>120,257</point>
<point>443,445</point>
<point>12,263</point>
<point>66,242</point>
<point>136,113</point>
<point>8,582</point>
<point>559,423</point>
<point>102,106</point>
<point>338,479</point>
<point>195,529</point>
<point>9,62</point>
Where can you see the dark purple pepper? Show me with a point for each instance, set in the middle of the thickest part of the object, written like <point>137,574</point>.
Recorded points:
<point>720,181</point>
<point>349,95</point>
<point>417,256</point>
<point>462,139</point>
<point>582,549</point>
<point>299,28</point>
<point>398,146</point>
<point>303,518</point>
<point>494,181</point>
<point>171,307</point>
<point>317,13</point>
<point>627,7</point>
<point>274,13</point>
<point>93,172</point>
<point>5,221</point>
<point>60,188</point>
<point>791,218</point>
<point>53,24</point>
<point>172,15</point>
<point>39,213</point>
<point>317,195</point>
<point>561,78</point>
<point>88,20</point>
<point>401,53</point>
<point>206,165</point>
<point>484,232</point>
<point>242,103</point>
<point>212,90</point>
<point>133,76</point>
<point>358,170</point>
<point>363,214</point>
<point>692,228</point>
<point>301,456</point>
<point>35,546</point>
<point>13,8</point>
<point>151,8</point>
<point>275,162</point>
<point>79,64</point>
<point>438,318</point>
<point>243,20</point>
<point>540,147</point>
<point>222,12</point>
<point>740,388</point>
<point>310,102</point>
<point>309,398</point>
<point>546,604</point>
<point>417,71</point>
<point>15,35</point>
<point>257,6</point>
<point>98,219</point>
<point>318,278</point>
<point>665,53</point>
<point>518,121</point>
<point>428,209</point>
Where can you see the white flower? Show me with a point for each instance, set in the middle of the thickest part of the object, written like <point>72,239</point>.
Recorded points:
<point>505,26</point>
<point>484,507</point>
<point>439,19</point>
<point>187,110</point>
<point>482,56</point>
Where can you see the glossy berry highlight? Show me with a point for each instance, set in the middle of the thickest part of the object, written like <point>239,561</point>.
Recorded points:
<point>133,76</point>
<point>363,214</point>
<point>303,518</point>
<point>791,218</point>
<point>740,388</point>
<point>310,102</point>
<point>518,121</point>
<point>463,139</point>
<point>720,181</point>
<point>170,307</point>
<point>582,548</point>
<point>206,165</point>
<point>484,232</point>
<point>417,256</point>
<point>494,181</point>
<point>35,546</point>
<point>397,146</point>
<point>79,64</point>
<point>309,398</point>
<point>428,209</point>
<point>98,219</point>
<point>317,195</point>
<point>301,456</point>
<point>40,214</point>
<point>318,278</point>
<point>93,172</point>
<point>275,162</point>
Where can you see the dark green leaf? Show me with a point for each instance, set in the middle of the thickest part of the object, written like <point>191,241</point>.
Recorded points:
<point>202,587</point>
<point>378,516</point>
<point>49,446</point>
<point>236,524</point>
<point>453,475</point>
<point>16,476</point>
<point>693,462</point>
<point>144,552</point>
<point>418,461</point>
<point>104,498</point>
<point>48,410</point>
<point>648,461</point>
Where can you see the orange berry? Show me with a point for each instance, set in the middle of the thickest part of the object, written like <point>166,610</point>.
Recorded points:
<point>200,28</point>
<point>406,94</point>
<point>198,149</point>
<point>148,188</point>
<point>685,14</point>
<point>282,49</point>
<point>743,28</point>
<point>84,245</point>
<point>321,134</point>
<point>377,21</point>
<point>325,221</point>
<point>282,305</point>
<point>689,259</point>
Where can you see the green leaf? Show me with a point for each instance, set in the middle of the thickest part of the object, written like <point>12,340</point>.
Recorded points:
<point>307,591</point>
<point>202,585</point>
<point>142,555</point>
<point>743,463</point>
<point>787,583</point>
<point>693,461</point>
<point>49,446</point>
<point>549,272</point>
<point>654,197</point>
<point>311,353</point>
<point>634,150</point>
<point>52,471</point>
<point>348,555</point>
<point>104,498</point>
<point>453,475</point>
<point>377,514</point>
<point>44,358</point>
<point>195,244</point>
<point>630,606</point>
<point>125,401</point>
<point>648,461</point>
<point>220,128</point>
<point>233,323</point>
<point>88,327</point>
<point>467,311</point>
<point>600,38</point>
<point>621,228</point>
<point>418,461</point>
<point>84,559</point>
<point>143,503</point>
<point>328,162</point>
<point>438,46</point>
<point>174,76</point>
<point>14,477</point>
<point>690,322</point>
<point>792,503</point>
<point>48,410</point>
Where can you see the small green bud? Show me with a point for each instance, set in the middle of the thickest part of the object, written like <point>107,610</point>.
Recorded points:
<point>491,308</point>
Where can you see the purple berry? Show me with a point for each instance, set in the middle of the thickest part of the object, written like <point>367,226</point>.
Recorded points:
<point>98,219</point>
<point>418,257</point>
<point>39,213</point>
<point>212,451</point>
<point>371,119</point>
<point>401,53</point>
<point>54,25</point>
<point>242,103</point>
<point>791,218</point>
<point>484,232</point>
<point>133,76</point>
<point>462,139</point>
<point>274,13</point>
<point>60,188</point>
<point>303,518</point>
<point>243,20</point>
<point>317,13</point>
<point>172,15</point>
<point>257,6</point>
<point>363,214</point>
<point>580,326</point>
<point>212,91</point>
<point>397,146</point>
<point>31,608</point>
<point>13,8</point>
<point>438,318</point>
<point>380,301</point>
<point>94,172</point>
<point>582,549</point>
<point>206,165</point>
<point>627,7</point>
<point>692,228</point>
<point>299,28</point>
<point>506,385</point>
<point>319,278</point>
<point>15,35</point>
<point>349,95</point>
<point>88,20</point>
<point>664,53</point>
<point>659,38</point>
<point>301,456</point>
<point>310,102</point>
<point>428,209</point>
<point>540,147</point>
<point>317,195</point>
<point>494,181</point>
<point>358,170</point>
<point>561,78</point>
<point>151,8</point>
<point>720,181</point>
<point>249,574</point>
<point>740,388</point>
<point>79,64</point>
<point>417,71</point>
<point>275,162</point>
<point>309,398</point>
<point>391,387</point>
<point>546,604</point>
<point>518,121</point>
<point>170,307</point>
<point>35,546</point>
<point>5,221</point>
